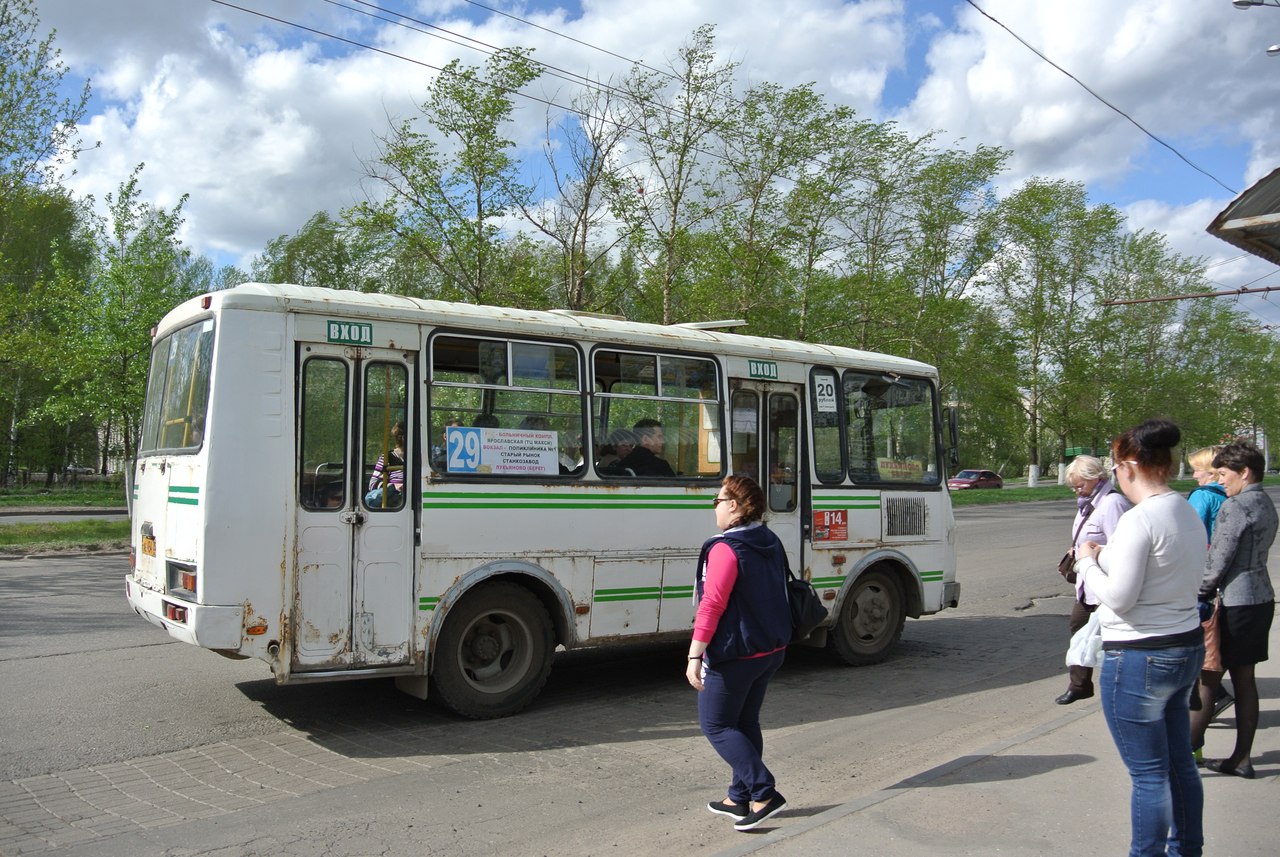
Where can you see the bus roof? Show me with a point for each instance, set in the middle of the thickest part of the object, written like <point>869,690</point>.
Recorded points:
<point>309,299</point>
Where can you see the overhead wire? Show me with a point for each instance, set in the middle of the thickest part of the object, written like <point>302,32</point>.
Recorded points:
<point>1087,89</point>
<point>577,79</point>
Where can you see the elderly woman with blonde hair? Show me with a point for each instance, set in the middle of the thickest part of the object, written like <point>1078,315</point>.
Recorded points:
<point>1098,509</point>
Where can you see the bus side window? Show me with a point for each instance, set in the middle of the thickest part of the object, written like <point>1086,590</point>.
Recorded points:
<point>667,404</point>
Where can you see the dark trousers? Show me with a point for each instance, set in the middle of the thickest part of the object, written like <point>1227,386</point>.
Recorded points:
<point>729,713</point>
<point>1080,679</point>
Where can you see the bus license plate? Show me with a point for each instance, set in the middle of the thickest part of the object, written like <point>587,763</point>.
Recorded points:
<point>149,545</point>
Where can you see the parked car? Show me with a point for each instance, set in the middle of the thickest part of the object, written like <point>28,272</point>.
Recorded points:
<point>80,470</point>
<point>975,479</point>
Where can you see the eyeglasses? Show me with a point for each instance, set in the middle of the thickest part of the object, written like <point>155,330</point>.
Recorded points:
<point>719,500</point>
<point>1115,466</point>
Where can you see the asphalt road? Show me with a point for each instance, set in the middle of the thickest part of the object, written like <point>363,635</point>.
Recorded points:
<point>116,740</point>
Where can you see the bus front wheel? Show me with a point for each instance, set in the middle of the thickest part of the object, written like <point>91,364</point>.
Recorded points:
<point>494,652</point>
<point>870,621</point>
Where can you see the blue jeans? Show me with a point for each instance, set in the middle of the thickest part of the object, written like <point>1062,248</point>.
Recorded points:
<point>1145,695</point>
<point>729,713</point>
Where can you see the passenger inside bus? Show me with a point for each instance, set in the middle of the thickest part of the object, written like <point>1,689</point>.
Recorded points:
<point>386,485</point>
<point>618,446</point>
<point>440,453</point>
<point>646,459</point>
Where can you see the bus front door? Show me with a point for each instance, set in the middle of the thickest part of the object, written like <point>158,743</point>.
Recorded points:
<point>357,479</point>
<point>764,438</point>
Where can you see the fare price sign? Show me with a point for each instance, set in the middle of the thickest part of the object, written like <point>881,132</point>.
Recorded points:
<point>831,525</point>
<point>502,451</point>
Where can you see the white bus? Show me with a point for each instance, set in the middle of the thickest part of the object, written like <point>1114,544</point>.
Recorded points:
<point>557,479</point>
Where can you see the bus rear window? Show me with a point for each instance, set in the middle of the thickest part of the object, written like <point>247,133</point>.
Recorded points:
<point>178,390</point>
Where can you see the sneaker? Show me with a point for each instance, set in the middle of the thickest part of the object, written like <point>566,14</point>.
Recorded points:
<point>776,804</point>
<point>733,810</point>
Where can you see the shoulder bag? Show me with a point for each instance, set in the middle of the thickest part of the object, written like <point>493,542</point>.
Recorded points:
<point>807,611</point>
<point>1066,565</point>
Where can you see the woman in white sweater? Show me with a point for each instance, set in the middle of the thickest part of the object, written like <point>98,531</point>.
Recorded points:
<point>1146,578</point>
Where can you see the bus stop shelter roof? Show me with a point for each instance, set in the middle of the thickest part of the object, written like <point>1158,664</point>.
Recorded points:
<point>1252,220</point>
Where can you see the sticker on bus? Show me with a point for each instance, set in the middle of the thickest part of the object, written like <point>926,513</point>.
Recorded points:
<point>832,526</point>
<point>502,451</point>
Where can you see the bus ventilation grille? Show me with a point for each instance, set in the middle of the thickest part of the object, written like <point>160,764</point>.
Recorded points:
<point>906,516</point>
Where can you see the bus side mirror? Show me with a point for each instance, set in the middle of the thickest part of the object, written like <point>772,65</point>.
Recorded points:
<point>953,440</point>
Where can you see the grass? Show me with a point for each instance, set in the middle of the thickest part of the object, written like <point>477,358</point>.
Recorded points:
<point>73,534</point>
<point>105,494</point>
<point>1018,494</point>
<point>78,535</point>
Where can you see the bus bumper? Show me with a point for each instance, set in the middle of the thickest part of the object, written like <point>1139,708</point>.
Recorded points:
<point>198,624</point>
<point>951,594</point>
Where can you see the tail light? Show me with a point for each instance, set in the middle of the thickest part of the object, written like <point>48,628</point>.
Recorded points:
<point>174,613</point>
<point>182,580</point>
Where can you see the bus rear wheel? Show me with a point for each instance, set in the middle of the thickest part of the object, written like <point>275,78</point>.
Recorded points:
<point>871,620</point>
<point>494,652</point>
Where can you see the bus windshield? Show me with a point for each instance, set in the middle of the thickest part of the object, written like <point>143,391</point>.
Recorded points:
<point>178,390</point>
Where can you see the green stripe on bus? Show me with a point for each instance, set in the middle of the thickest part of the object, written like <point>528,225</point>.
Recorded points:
<point>831,507</point>
<point>553,504</point>
<point>845,501</point>
<point>428,603</point>
<point>560,500</point>
<point>827,581</point>
<point>931,575</point>
<point>834,497</point>
<point>180,490</point>
<point>643,593</point>
<point>601,497</point>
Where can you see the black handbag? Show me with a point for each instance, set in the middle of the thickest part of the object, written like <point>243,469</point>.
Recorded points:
<point>807,611</point>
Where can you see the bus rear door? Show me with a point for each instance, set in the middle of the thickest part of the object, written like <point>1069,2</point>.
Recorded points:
<point>353,580</point>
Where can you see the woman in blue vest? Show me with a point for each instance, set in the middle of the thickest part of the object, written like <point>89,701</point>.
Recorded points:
<point>740,637</point>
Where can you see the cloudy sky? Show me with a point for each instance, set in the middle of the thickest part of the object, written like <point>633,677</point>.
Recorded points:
<point>264,123</point>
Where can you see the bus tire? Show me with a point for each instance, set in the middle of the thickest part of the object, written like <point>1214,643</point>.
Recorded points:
<point>494,652</point>
<point>870,621</point>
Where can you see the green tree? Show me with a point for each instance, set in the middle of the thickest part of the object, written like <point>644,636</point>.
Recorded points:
<point>814,211</point>
<point>1045,276</point>
<point>37,124</point>
<point>582,216</point>
<point>319,254</point>
<point>37,225</point>
<point>138,273</point>
<point>37,136</point>
<point>777,135</point>
<point>670,192</point>
<point>450,185</point>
